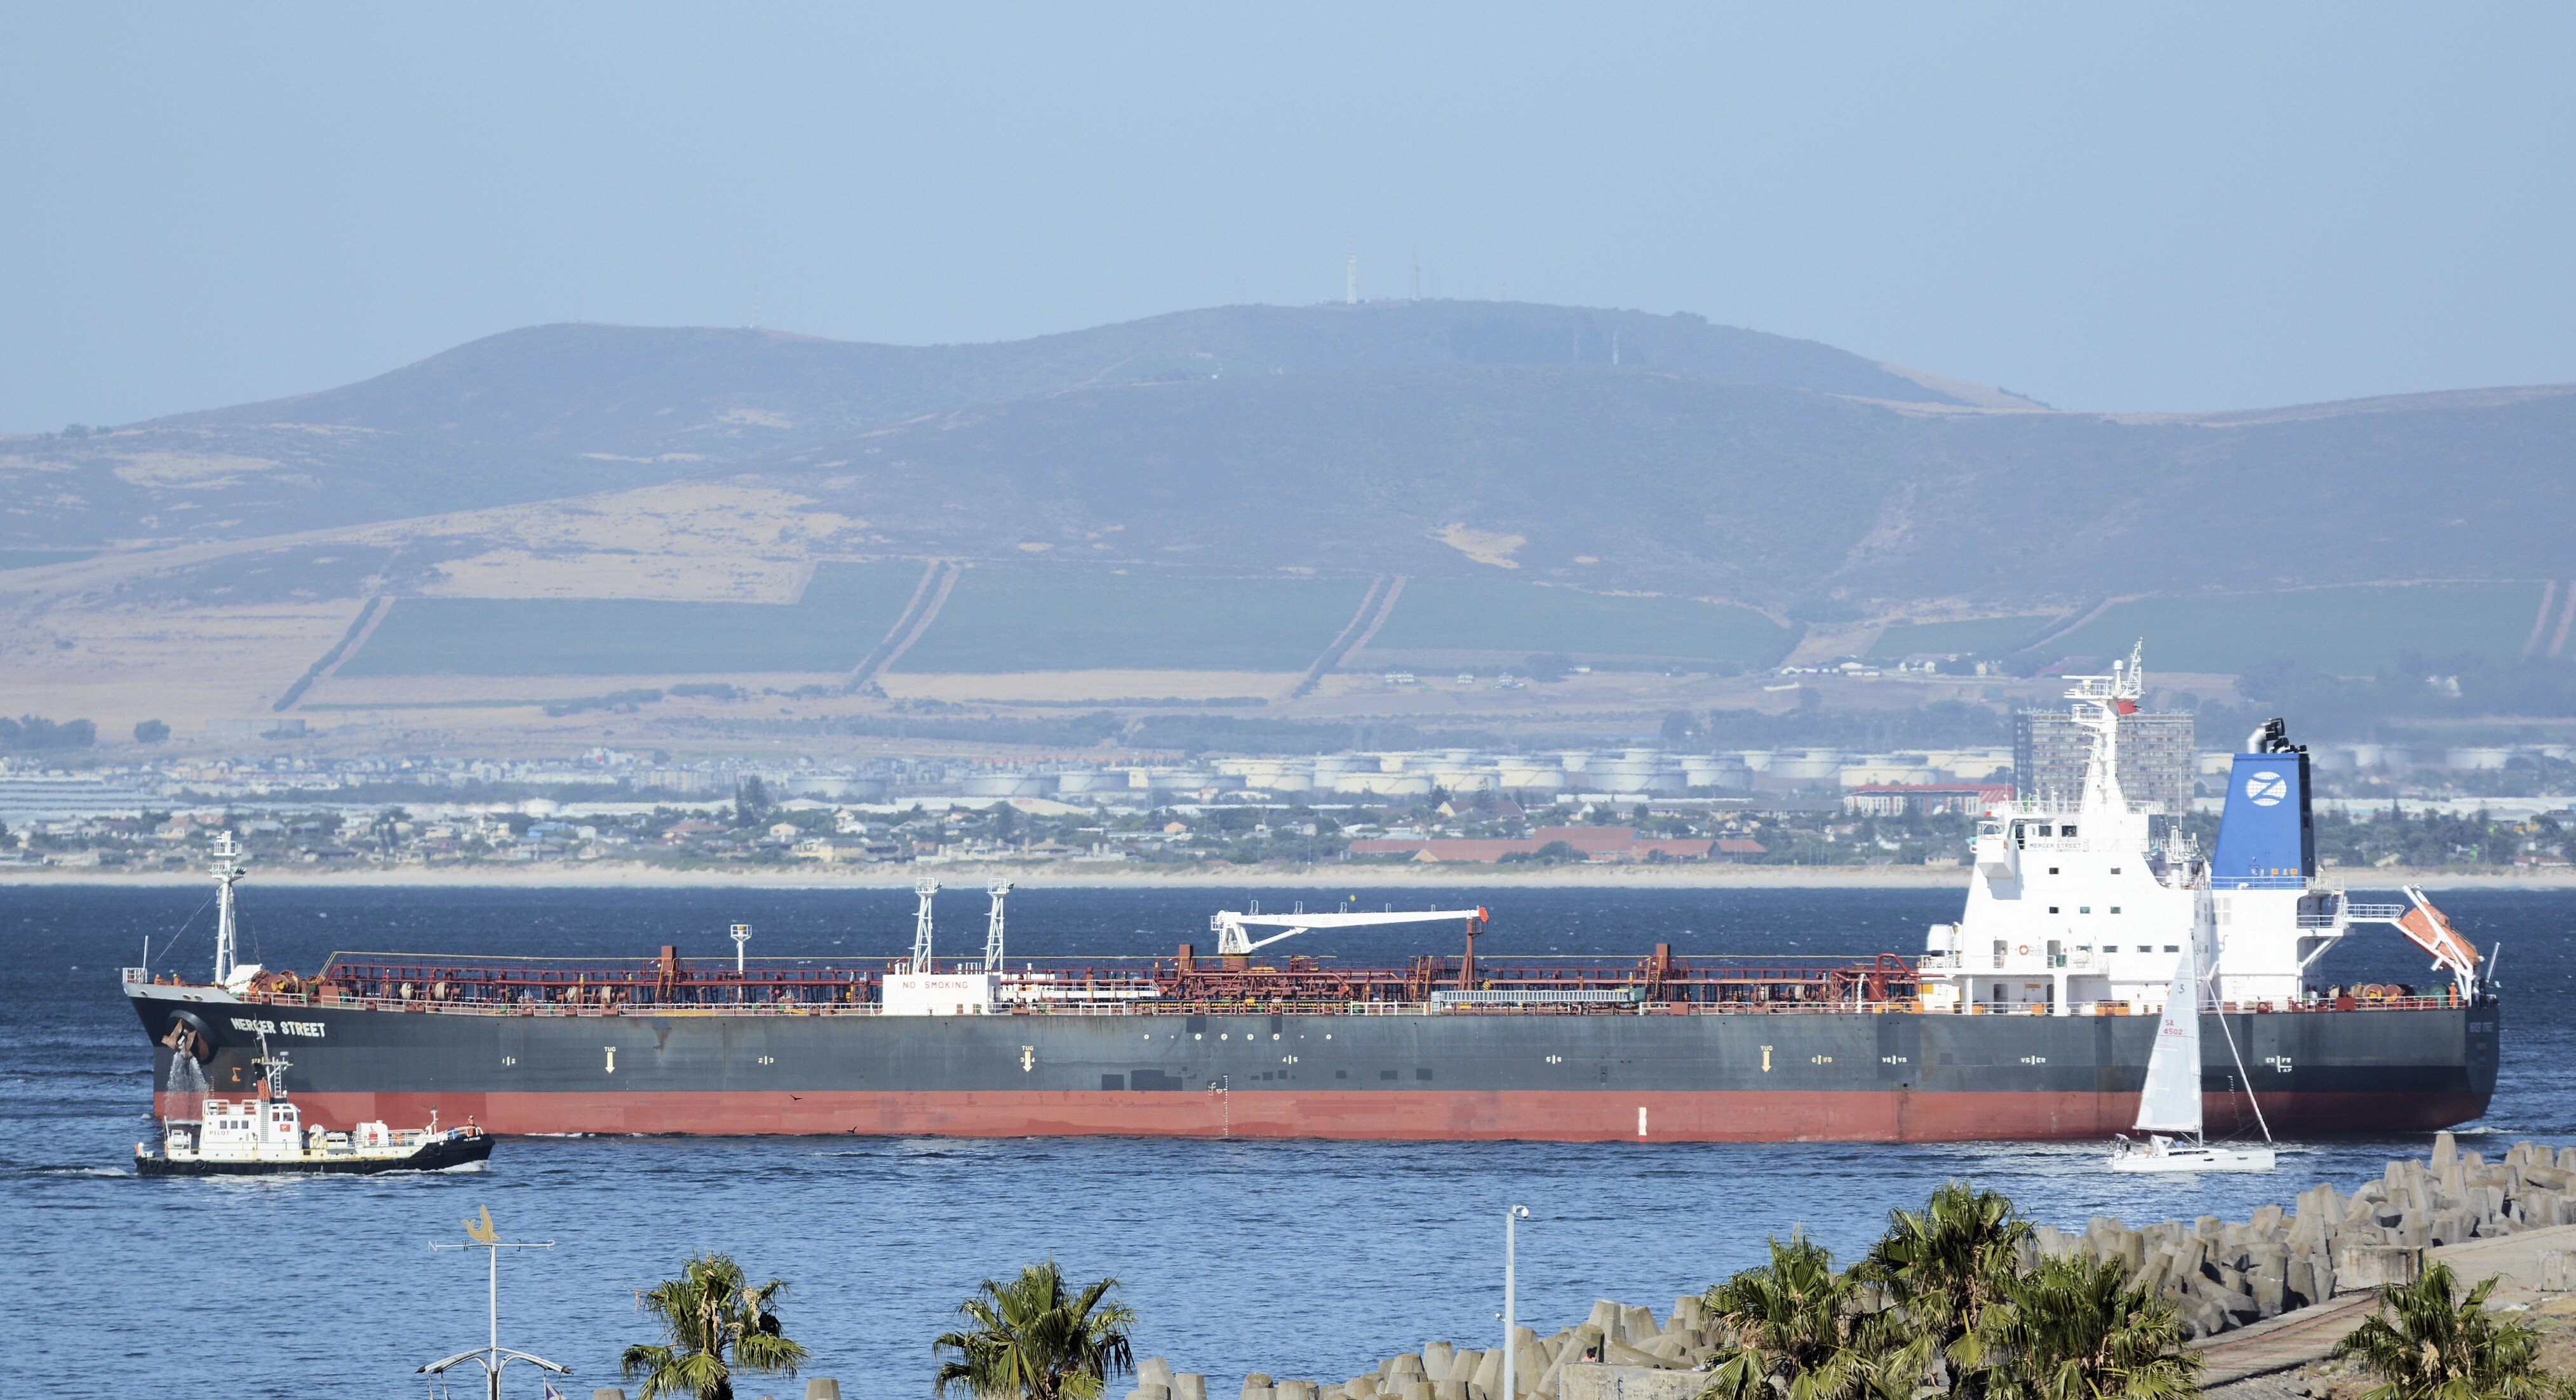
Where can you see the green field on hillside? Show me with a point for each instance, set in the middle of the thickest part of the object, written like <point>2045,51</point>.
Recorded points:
<point>1003,620</point>
<point>845,611</point>
<point>1441,614</point>
<point>2346,631</point>
<point>1983,636</point>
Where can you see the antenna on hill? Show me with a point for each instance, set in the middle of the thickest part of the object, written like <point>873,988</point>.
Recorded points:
<point>1351,280</point>
<point>1417,272</point>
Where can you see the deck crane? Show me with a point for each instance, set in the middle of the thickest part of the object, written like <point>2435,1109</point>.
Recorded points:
<point>1233,929</point>
<point>993,951</point>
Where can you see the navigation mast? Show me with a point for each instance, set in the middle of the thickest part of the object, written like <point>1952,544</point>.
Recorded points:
<point>228,870</point>
<point>2101,702</point>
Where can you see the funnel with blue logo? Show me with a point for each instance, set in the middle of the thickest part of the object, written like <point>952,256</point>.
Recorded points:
<point>2266,839</point>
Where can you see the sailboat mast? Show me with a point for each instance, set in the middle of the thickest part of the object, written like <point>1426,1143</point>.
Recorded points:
<point>2170,1100</point>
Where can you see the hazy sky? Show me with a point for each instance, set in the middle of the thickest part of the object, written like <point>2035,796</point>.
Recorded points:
<point>2136,207</point>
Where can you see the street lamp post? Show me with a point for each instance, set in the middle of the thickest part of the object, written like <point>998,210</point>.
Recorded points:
<point>1512,1217</point>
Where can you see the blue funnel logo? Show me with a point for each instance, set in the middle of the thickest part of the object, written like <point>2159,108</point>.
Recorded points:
<point>2265,840</point>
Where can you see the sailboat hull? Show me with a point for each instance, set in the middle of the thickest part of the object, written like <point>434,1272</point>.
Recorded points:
<point>2189,1157</point>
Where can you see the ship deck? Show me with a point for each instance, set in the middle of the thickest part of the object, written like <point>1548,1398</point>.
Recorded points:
<point>1660,984</point>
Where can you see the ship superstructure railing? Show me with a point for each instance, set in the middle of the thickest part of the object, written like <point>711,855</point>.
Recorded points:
<point>670,983</point>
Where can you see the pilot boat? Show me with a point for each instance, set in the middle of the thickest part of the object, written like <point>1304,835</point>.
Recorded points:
<point>265,1135</point>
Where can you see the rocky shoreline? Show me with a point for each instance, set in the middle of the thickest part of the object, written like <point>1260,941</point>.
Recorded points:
<point>2222,1275</point>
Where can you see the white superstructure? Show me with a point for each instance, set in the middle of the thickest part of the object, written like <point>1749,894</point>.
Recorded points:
<point>2085,908</point>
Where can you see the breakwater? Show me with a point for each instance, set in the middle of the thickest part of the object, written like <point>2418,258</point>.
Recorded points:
<point>2227,1274</point>
<point>2220,1274</point>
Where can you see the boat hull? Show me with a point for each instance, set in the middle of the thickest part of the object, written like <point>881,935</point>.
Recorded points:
<point>470,1152</point>
<point>1890,1076</point>
<point>2215,1159</point>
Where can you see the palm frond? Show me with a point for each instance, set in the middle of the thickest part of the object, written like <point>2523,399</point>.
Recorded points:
<point>712,1324</point>
<point>1027,1340</point>
<point>2430,1341</point>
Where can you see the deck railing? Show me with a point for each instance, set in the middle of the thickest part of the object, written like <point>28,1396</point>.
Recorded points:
<point>1442,1005</point>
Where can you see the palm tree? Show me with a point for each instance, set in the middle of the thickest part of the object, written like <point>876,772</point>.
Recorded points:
<point>1794,1329</point>
<point>2073,1329</point>
<point>1030,1341</point>
<point>2427,1342</point>
<point>707,1312</point>
<point>1945,1268</point>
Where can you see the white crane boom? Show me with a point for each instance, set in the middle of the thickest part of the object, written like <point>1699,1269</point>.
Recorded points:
<point>1233,930</point>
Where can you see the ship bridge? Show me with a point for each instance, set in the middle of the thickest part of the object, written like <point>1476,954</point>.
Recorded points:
<point>2084,906</point>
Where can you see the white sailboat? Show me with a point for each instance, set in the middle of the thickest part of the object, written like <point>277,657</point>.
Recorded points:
<point>2170,1103</point>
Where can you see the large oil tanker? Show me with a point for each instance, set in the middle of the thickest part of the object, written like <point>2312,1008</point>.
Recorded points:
<point>2031,1017</point>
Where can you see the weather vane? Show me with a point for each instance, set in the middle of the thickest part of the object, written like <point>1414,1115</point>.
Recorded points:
<point>484,1235</point>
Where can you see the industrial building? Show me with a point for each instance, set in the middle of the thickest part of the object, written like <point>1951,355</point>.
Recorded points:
<point>2157,758</point>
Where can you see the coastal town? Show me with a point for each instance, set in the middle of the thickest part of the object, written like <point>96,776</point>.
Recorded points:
<point>2501,810</point>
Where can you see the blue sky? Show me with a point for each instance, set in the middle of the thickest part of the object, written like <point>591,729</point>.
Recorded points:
<point>2108,207</point>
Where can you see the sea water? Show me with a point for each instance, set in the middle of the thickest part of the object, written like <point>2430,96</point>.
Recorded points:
<point>1309,1259</point>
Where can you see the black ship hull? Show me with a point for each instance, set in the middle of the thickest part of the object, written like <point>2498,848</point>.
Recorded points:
<point>1855,1075</point>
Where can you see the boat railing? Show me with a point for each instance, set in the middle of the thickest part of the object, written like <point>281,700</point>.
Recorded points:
<point>2358,914</point>
<point>1439,1004</point>
<point>1662,984</point>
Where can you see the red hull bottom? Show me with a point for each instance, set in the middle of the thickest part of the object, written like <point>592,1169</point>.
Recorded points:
<point>1537,1115</point>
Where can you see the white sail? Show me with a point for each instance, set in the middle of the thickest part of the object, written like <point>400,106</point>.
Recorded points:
<point>2170,1102</point>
